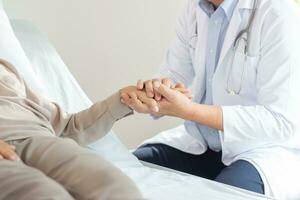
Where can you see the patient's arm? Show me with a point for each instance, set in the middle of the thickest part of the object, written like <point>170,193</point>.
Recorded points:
<point>88,125</point>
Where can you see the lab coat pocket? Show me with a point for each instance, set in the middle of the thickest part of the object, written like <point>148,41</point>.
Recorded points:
<point>241,79</point>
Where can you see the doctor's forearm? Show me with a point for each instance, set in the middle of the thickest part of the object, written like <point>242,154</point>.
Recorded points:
<point>208,115</point>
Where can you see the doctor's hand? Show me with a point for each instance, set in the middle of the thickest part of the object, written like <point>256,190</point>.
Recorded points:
<point>173,102</point>
<point>148,87</point>
<point>7,152</point>
<point>138,100</point>
<point>176,104</point>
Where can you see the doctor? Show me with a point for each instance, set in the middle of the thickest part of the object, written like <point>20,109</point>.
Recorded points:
<point>242,128</point>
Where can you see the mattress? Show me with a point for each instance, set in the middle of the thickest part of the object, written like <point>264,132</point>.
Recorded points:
<point>156,182</point>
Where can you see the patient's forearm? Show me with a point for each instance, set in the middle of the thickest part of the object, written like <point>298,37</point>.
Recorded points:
<point>93,123</point>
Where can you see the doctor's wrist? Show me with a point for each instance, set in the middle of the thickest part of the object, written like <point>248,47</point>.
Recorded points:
<point>208,115</point>
<point>189,112</point>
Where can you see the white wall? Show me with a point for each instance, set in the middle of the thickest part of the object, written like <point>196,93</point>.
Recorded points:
<point>108,44</point>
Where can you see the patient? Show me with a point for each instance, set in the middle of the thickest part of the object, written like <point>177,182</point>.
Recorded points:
<point>36,164</point>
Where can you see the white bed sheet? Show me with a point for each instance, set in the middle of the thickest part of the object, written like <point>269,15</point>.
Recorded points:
<point>162,184</point>
<point>62,88</point>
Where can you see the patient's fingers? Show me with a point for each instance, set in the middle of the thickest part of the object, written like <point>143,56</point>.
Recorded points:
<point>7,152</point>
<point>133,100</point>
<point>13,147</point>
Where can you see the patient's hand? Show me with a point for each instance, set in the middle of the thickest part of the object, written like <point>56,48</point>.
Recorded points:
<point>7,151</point>
<point>138,100</point>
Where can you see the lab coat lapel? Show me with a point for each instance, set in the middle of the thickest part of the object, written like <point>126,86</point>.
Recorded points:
<point>234,26</point>
<point>202,22</point>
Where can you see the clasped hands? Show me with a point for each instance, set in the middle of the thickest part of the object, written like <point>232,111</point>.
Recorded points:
<point>158,97</point>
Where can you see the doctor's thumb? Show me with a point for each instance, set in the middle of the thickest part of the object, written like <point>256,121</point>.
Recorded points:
<point>164,91</point>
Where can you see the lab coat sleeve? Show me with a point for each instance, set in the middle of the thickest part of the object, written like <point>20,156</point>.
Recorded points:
<point>177,64</point>
<point>88,125</point>
<point>276,116</point>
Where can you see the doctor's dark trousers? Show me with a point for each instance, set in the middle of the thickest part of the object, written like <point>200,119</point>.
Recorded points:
<point>241,173</point>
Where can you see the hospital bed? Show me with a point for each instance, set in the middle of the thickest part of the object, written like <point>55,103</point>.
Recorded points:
<point>154,182</point>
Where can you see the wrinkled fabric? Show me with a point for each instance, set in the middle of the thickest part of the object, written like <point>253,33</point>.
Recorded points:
<point>24,113</point>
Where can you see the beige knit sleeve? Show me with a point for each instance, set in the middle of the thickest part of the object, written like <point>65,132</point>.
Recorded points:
<point>88,125</point>
<point>91,124</point>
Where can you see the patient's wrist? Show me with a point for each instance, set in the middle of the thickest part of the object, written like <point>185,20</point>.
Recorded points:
<point>117,108</point>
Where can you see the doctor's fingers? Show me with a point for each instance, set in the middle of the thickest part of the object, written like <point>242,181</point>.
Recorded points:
<point>136,104</point>
<point>140,84</point>
<point>149,85</point>
<point>149,88</point>
<point>149,102</point>
<point>165,81</point>
<point>187,92</point>
<point>157,96</point>
<point>180,85</point>
<point>166,92</point>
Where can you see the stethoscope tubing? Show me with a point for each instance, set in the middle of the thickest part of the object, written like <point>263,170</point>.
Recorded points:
<point>246,31</point>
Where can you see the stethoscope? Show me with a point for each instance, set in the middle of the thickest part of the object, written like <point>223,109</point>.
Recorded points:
<point>244,36</point>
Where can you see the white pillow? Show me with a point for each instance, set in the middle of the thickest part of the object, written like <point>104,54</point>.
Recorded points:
<point>11,50</point>
<point>1,4</point>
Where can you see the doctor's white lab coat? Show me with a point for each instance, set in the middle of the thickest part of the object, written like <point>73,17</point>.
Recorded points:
<point>261,124</point>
